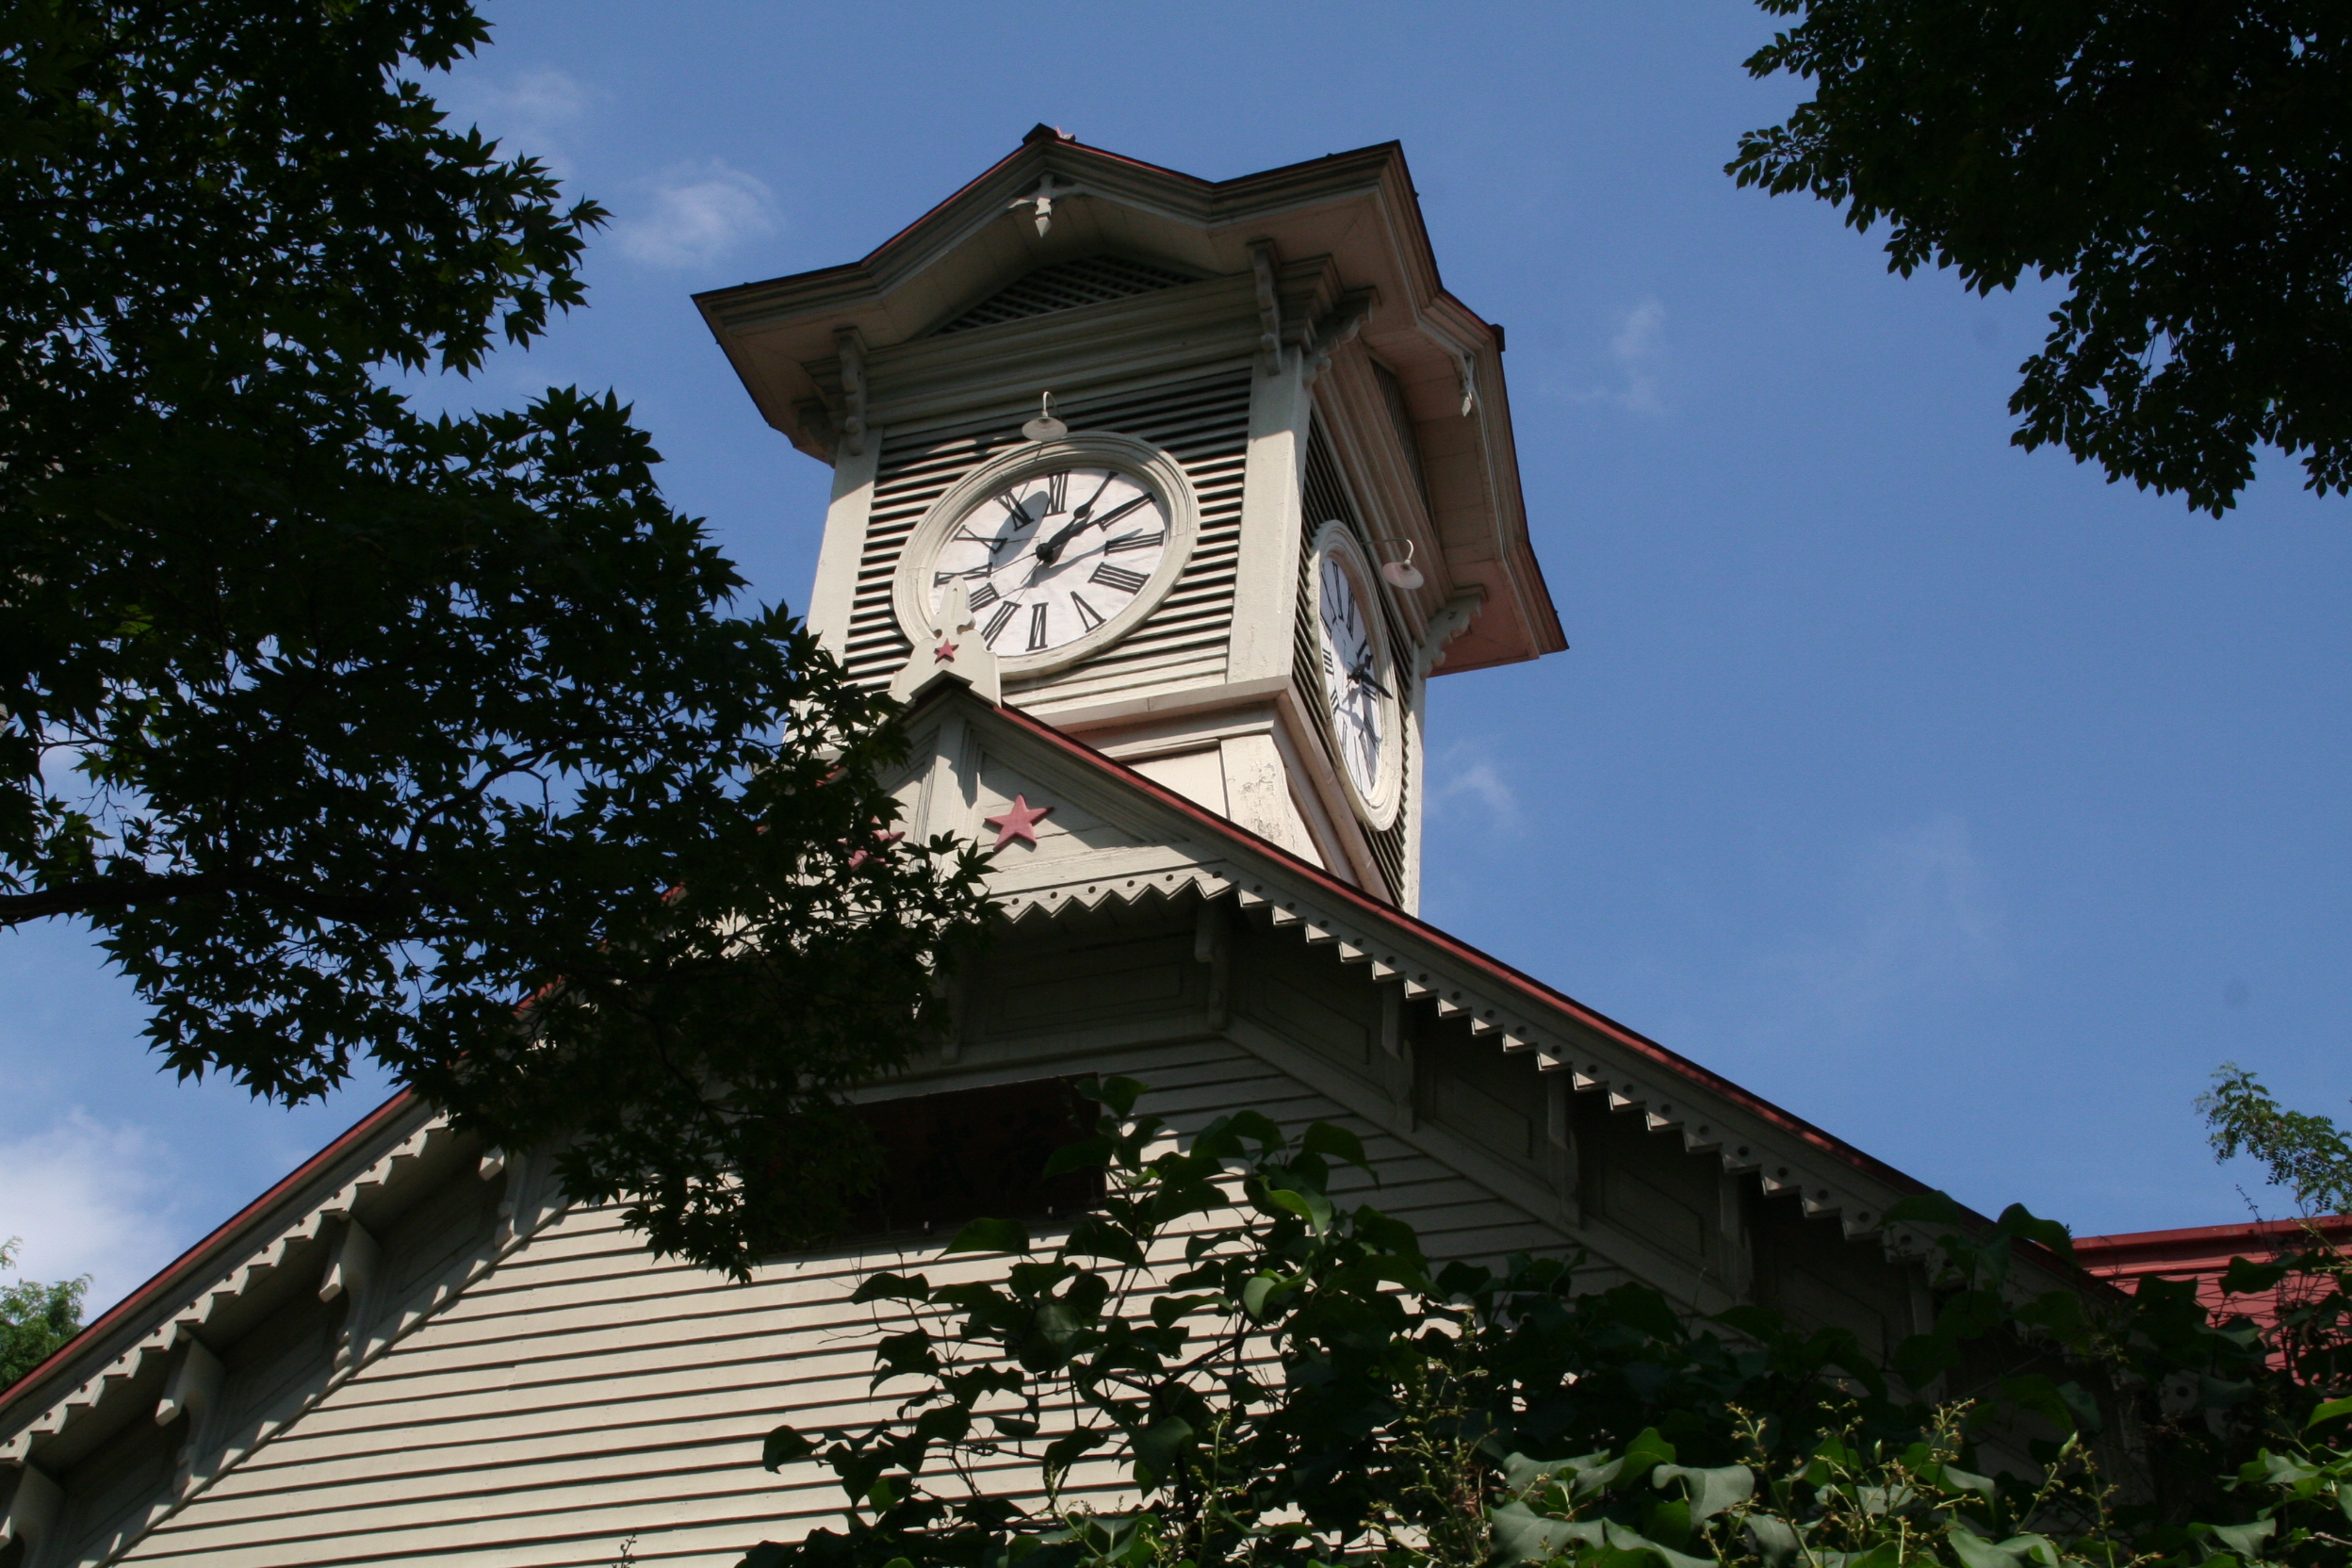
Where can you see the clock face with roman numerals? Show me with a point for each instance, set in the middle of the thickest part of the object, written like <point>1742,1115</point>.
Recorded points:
<point>1359,686</point>
<point>1049,558</point>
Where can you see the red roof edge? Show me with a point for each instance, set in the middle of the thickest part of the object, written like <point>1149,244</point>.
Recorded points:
<point>2202,1246</point>
<point>185,1264</point>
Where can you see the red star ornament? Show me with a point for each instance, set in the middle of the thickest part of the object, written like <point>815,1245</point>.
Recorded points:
<point>883,843</point>
<point>944,653</point>
<point>1019,820</point>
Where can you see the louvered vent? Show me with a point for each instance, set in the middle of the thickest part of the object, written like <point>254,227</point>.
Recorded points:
<point>1203,424</point>
<point>1325,497</point>
<point>1065,286</point>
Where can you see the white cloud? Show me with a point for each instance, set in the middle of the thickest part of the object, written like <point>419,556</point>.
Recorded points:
<point>695,214</point>
<point>1463,776</point>
<point>89,1199</point>
<point>533,111</point>
<point>1923,919</point>
<point>1637,354</point>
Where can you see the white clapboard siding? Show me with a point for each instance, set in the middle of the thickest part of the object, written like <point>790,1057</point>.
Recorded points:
<point>583,1393</point>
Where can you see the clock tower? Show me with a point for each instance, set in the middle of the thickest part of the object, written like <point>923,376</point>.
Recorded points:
<point>1213,476</point>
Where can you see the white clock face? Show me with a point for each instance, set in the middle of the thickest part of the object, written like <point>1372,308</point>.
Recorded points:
<point>1048,559</point>
<point>1358,684</point>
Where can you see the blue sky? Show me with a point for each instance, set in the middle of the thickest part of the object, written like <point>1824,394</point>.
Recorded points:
<point>1958,800</point>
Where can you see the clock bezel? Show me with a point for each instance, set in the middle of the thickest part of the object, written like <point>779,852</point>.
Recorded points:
<point>1377,811</point>
<point>1139,461</point>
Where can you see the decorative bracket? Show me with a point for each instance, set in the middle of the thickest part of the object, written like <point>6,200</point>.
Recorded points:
<point>1341,323</point>
<point>851,345</point>
<point>1270,306</point>
<point>347,1273</point>
<point>1447,624</point>
<point>1042,202</point>
<point>194,1382</point>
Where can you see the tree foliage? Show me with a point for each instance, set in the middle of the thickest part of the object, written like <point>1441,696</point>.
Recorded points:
<point>2309,1155</point>
<point>347,729</point>
<point>2187,167</point>
<point>1274,1377</point>
<point>34,1320</point>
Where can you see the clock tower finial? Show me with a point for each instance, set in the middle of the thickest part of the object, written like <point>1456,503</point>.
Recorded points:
<point>1272,492</point>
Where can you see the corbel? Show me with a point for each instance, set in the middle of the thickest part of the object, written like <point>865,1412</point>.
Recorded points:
<point>850,345</point>
<point>1559,1130</point>
<point>1396,1054</point>
<point>1338,326</point>
<point>194,1382</point>
<point>1213,947</point>
<point>347,1273</point>
<point>1452,619</point>
<point>32,1509</point>
<point>1731,1222</point>
<point>510,1201</point>
<point>1270,306</point>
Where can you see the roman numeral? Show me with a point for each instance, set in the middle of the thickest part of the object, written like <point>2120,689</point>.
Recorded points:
<point>1121,510</point>
<point>1004,612</point>
<point>1037,626</point>
<point>1136,542</point>
<point>1056,490</point>
<point>1111,576</point>
<point>1088,616</point>
<point>983,597</point>
<point>964,532</point>
<point>1016,510</point>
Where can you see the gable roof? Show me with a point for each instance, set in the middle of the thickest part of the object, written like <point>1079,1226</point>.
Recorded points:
<point>123,1355</point>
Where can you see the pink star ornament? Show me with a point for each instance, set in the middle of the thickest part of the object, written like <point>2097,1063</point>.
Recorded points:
<point>1019,820</point>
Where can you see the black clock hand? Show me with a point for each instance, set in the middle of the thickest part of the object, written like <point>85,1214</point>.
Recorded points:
<point>1362,675</point>
<point>1050,550</point>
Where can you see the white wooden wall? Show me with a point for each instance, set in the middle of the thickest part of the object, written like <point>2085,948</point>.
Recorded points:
<point>583,1394</point>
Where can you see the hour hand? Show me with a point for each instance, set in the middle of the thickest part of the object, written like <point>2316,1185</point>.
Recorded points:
<point>1362,675</point>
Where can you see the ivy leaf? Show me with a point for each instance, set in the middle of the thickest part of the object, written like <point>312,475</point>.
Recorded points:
<point>1522,1535</point>
<point>892,1287</point>
<point>1710,1491</point>
<point>783,1446</point>
<point>1159,1450</point>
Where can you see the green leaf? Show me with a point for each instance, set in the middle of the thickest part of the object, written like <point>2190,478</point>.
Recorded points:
<point>1522,1535</point>
<point>1967,1481</point>
<point>1115,1095</point>
<point>1312,1207</point>
<point>1974,1551</point>
<point>1337,1143</point>
<point>892,1287</point>
<point>1262,1289</point>
<point>1647,1451</point>
<point>1778,1541</point>
<point>2246,1540</point>
<point>784,1445</point>
<point>991,1236</point>
<point>1710,1491</point>
<point>1159,1450</point>
<point>2329,1412</point>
